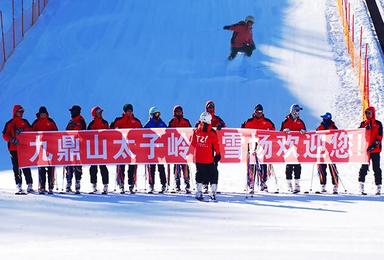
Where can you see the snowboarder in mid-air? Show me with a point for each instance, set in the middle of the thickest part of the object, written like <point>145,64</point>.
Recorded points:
<point>242,39</point>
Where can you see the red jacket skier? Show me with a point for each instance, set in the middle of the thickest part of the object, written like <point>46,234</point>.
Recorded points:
<point>207,155</point>
<point>375,136</point>
<point>44,123</point>
<point>242,38</point>
<point>10,134</point>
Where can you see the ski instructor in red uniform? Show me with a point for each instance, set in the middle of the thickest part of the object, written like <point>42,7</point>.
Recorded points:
<point>207,155</point>
<point>242,38</point>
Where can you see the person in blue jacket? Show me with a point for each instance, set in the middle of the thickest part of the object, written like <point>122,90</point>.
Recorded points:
<point>156,122</point>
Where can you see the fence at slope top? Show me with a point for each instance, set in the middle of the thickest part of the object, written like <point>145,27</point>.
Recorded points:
<point>11,37</point>
<point>357,50</point>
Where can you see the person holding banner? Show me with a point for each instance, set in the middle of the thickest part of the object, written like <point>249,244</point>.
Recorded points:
<point>77,122</point>
<point>178,120</point>
<point>12,129</point>
<point>293,122</point>
<point>127,120</point>
<point>258,121</point>
<point>206,156</point>
<point>375,134</point>
<point>97,123</point>
<point>215,122</point>
<point>327,124</point>
<point>44,123</point>
<point>156,122</point>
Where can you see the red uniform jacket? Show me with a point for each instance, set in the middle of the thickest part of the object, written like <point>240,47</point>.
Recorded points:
<point>76,123</point>
<point>259,123</point>
<point>323,127</point>
<point>14,127</point>
<point>44,124</point>
<point>205,143</point>
<point>292,124</point>
<point>242,34</point>
<point>374,131</point>
<point>182,122</point>
<point>98,123</point>
<point>126,121</point>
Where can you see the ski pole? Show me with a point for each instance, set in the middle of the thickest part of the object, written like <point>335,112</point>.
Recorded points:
<point>313,169</point>
<point>338,176</point>
<point>117,168</point>
<point>62,182</point>
<point>145,177</point>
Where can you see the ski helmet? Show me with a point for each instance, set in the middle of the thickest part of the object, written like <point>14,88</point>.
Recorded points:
<point>177,107</point>
<point>206,117</point>
<point>153,110</point>
<point>295,108</point>
<point>250,18</point>
<point>327,116</point>
<point>209,103</point>
<point>95,110</point>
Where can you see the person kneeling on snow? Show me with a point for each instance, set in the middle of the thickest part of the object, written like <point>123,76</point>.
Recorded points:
<point>242,38</point>
<point>206,155</point>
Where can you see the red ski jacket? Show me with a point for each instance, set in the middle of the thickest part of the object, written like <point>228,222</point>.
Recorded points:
<point>44,124</point>
<point>76,123</point>
<point>242,35</point>
<point>374,131</point>
<point>259,123</point>
<point>98,123</point>
<point>126,121</point>
<point>323,127</point>
<point>206,144</point>
<point>292,124</point>
<point>179,122</point>
<point>14,127</point>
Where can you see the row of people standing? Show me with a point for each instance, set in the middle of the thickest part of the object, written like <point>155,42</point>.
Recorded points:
<point>292,122</point>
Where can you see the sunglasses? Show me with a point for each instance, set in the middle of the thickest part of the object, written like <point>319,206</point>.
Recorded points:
<point>20,111</point>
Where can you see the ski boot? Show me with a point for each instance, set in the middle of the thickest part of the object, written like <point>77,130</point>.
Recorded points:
<point>378,190</point>
<point>151,189</point>
<point>131,189</point>
<point>19,190</point>
<point>105,189</point>
<point>323,189</point>
<point>297,186</point>
<point>50,191</point>
<point>94,189</point>
<point>263,187</point>
<point>122,191</point>
<point>361,184</point>
<point>29,188</point>
<point>335,188</point>
<point>289,185</point>
<point>205,188</point>
<point>163,188</point>
<point>68,187</point>
<point>77,187</point>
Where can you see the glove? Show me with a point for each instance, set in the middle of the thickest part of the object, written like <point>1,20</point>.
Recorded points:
<point>18,131</point>
<point>226,27</point>
<point>219,127</point>
<point>14,141</point>
<point>217,158</point>
<point>368,127</point>
<point>302,131</point>
<point>253,47</point>
<point>373,146</point>
<point>286,130</point>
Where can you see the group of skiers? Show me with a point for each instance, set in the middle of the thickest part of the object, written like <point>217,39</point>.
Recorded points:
<point>204,140</point>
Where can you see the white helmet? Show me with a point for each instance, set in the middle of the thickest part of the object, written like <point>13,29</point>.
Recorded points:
<point>206,117</point>
<point>250,18</point>
<point>153,110</point>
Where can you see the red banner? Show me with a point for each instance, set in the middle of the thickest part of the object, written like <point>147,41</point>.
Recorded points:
<point>172,145</point>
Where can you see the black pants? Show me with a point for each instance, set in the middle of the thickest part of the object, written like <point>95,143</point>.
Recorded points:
<point>206,173</point>
<point>375,158</point>
<point>290,168</point>
<point>104,174</point>
<point>43,173</point>
<point>74,170</point>
<point>152,170</point>
<point>132,170</point>
<point>246,49</point>
<point>177,169</point>
<point>322,170</point>
<point>17,171</point>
